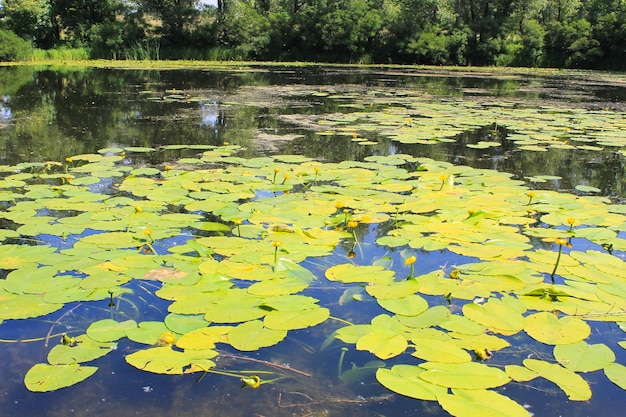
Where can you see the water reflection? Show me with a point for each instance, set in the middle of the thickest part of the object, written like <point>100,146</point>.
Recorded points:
<point>209,113</point>
<point>6,114</point>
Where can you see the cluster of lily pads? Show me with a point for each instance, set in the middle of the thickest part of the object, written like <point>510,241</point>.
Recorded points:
<point>425,119</point>
<point>226,239</point>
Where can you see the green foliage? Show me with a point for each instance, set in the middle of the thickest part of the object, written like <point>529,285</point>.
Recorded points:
<point>479,32</point>
<point>62,54</point>
<point>32,20</point>
<point>13,48</point>
<point>105,39</point>
<point>176,18</point>
<point>430,47</point>
<point>571,45</point>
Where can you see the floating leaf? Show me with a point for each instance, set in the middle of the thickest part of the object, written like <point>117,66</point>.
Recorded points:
<point>204,338</point>
<point>84,350</point>
<point>588,189</point>
<point>576,388</point>
<point>109,330</point>
<point>298,319</point>
<point>184,323</point>
<point>405,380</point>
<point>147,332</point>
<point>439,351</point>
<point>497,315</point>
<point>411,305</point>
<point>520,373</point>
<point>252,335</point>
<point>165,360</point>
<point>467,375</point>
<point>478,402</point>
<point>43,377</point>
<point>548,328</point>
<point>616,373</point>
<point>581,357</point>
<point>348,273</point>
<point>24,306</point>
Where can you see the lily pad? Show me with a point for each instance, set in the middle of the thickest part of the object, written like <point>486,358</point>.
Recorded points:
<point>253,335</point>
<point>548,328</point>
<point>574,386</point>
<point>466,375</point>
<point>84,349</point>
<point>470,403</point>
<point>43,377</point>
<point>405,380</point>
<point>581,357</point>
<point>109,330</point>
<point>617,374</point>
<point>165,360</point>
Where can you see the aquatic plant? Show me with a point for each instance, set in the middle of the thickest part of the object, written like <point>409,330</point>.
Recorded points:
<point>94,229</point>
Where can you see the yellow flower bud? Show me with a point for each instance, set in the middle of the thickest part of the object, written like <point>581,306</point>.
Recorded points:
<point>166,339</point>
<point>455,274</point>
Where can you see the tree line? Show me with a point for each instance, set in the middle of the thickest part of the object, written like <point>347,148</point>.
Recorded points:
<point>531,33</point>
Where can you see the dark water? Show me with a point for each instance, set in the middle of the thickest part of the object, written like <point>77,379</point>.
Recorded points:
<point>52,114</point>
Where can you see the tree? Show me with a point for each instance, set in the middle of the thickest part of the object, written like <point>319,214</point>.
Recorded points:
<point>32,20</point>
<point>571,45</point>
<point>350,27</point>
<point>249,30</point>
<point>487,21</point>
<point>76,17</point>
<point>177,17</point>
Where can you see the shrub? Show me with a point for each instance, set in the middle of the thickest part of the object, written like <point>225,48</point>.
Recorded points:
<point>13,48</point>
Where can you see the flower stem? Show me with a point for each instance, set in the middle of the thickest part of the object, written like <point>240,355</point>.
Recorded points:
<point>556,264</point>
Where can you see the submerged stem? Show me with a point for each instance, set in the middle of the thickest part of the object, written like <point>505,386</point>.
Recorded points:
<point>340,364</point>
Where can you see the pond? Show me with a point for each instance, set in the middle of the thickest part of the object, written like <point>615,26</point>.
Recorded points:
<point>312,241</point>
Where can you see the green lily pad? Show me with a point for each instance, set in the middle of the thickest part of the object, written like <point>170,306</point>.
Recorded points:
<point>24,306</point>
<point>520,373</point>
<point>184,323</point>
<point>574,386</point>
<point>165,360</point>
<point>298,319</point>
<point>348,273</point>
<point>616,373</point>
<point>411,305</point>
<point>252,335</point>
<point>548,328</point>
<point>383,343</point>
<point>204,338</point>
<point>43,377</point>
<point>84,350</point>
<point>496,315</point>
<point>470,403</point>
<point>433,350</point>
<point>405,380</point>
<point>109,330</point>
<point>581,357</point>
<point>466,375</point>
<point>147,332</point>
